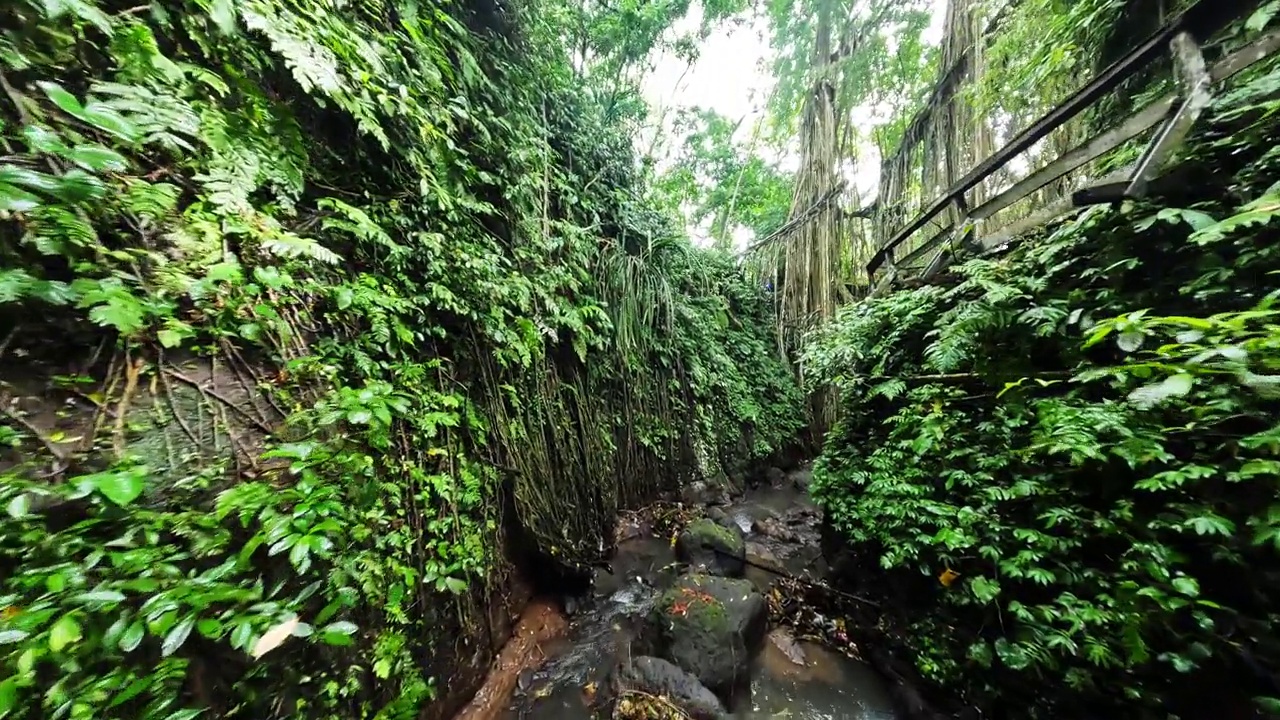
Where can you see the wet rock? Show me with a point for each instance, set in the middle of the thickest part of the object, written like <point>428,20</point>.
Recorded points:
<point>704,493</point>
<point>711,547</point>
<point>781,639</point>
<point>801,479</point>
<point>804,516</point>
<point>760,554</point>
<point>711,627</point>
<point>771,527</point>
<point>720,516</point>
<point>657,678</point>
<point>775,477</point>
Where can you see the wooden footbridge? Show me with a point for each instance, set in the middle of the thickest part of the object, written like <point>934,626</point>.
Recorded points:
<point>905,256</point>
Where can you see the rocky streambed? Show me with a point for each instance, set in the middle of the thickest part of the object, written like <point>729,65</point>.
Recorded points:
<point>696,623</point>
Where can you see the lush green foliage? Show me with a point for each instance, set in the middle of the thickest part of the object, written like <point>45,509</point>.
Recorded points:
<point>718,181</point>
<point>300,298</point>
<point>1085,431</point>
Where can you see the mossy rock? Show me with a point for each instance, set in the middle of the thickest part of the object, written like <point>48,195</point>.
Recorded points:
<point>651,687</point>
<point>708,546</point>
<point>710,627</point>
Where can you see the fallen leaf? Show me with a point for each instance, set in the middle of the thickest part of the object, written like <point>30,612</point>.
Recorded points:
<point>947,577</point>
<point>273,637</point>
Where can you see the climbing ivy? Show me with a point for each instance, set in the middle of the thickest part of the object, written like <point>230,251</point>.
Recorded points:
<point>1058,467</point>
<point>308,308</point>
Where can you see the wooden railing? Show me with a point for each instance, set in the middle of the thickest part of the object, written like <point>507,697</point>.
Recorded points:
<point>1174,113</point>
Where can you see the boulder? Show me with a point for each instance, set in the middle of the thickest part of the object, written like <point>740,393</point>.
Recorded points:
<point>646,680</point>
<point>771,527</point>
<point>775,477</point>
<point>711,627</point>
<point>801,478</point>
<point>711,547</point>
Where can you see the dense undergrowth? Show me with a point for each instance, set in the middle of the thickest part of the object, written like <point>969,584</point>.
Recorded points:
<point>1058,471</point>
<point>306,307</point>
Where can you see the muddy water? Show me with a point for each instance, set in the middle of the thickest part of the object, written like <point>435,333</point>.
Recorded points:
<point>791,680</point>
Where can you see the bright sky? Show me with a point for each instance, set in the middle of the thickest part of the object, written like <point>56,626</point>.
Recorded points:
<point>733,78</point>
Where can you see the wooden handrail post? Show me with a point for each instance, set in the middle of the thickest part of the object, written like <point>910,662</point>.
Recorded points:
<point>1193,84</point>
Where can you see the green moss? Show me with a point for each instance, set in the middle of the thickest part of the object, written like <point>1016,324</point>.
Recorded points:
<point>695,605</point>
<point>711,529</point>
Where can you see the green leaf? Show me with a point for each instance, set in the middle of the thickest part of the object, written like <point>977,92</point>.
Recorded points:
<point>8,695</point>
<point>134,689</point>
<point>31,179</point>
<point>9,637</point>
<point>209,627</point>
<point>336,639</point>
<point>341,627</point>
<point>177,636</point>
<point>63,99</point>
<point>42,139</point>
<point>223,14</point>
<point>241,635</point>
<point>169,338</point>
<point>13,199</point>
<point>112,122</point>
<point>100,596</point>
<point>121,488</point>
<point>359,417</point>
<point>96,158</point>
<point>64,632</point>
<point>1187,586</point>
<point>1173,386</point>
<point>132,637</point>
<point>18,506</point>
<point>345,298</point>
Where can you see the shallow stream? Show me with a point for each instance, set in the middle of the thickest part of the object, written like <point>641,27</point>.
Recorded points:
<point>781,530</point>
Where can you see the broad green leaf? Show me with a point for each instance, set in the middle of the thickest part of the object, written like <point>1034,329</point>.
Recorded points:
<point>345,297</point>
<point>42,139</point>
<point>18,506</point>
<point>169,338</point>
<point>63,633</point>
<point>132,637</point>
<point>336,639</point>
<point>63,99</point>
<point>133,690</point>
<point>100,596</point>
<point>240,636</point>
<point>8,637</point>
<point>121,488</point>
<point>223,14</point>
<point>13,199</point>
<point>341,627</point>
<point>96,158</point>
<point>31,179</point>
<point>177,636</point>
<point>111,122</point>
<point>1187,586</point>
<point>8,695</point>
